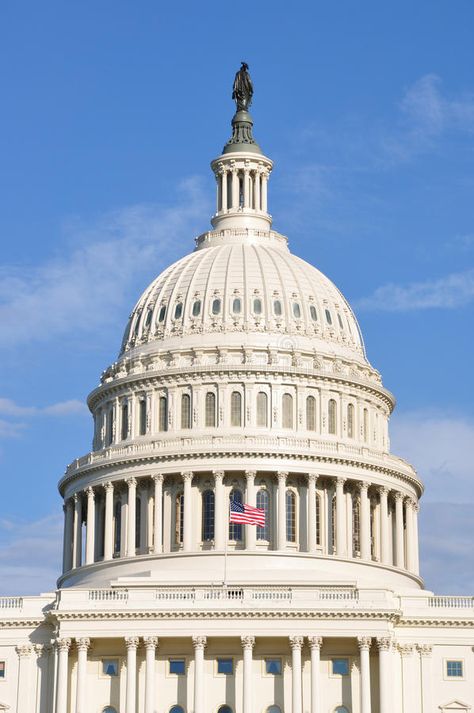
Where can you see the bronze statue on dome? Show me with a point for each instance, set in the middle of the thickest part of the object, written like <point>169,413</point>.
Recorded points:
<point>243,88</point>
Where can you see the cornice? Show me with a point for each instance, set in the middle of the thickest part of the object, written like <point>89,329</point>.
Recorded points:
<point>22,623</point>
<point>441,622</point>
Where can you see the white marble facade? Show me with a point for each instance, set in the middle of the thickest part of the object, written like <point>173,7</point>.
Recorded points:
<point>242,374</point>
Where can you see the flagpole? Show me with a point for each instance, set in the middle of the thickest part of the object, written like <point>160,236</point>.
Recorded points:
<point>226,537</point>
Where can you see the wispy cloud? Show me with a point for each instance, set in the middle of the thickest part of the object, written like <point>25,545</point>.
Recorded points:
<point>450,291</point>
<point>80,291</point>
<point>16,416</point>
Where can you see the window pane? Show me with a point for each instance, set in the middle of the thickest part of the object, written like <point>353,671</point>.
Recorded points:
<point>110,667</point>
<point>178,311</point>
<point>454,669</point>
<point>210,419</point>
<point>197,308</point>
<point>257,306</point>
<point>163,415</point>
<point>290,516</point>
<point>263,502</point>
<point>339,319</point>
<point>237,305</point>
<point>313,313</point>
<point>162,314</point>
<point>109,709</point>
<point>273,709</point>
<point>142,417</point>
<point>236,409</point>
<point>179,518</point>
<point>149,313</point>
<point>185,411</point>
<point>328,317</point>
<point>311,413</point>
<point>216,306</point>
<point>2,669</point>
<point>332,417</point>
<point>177,709</point>
<point>177,666</point>
<point>287,411</point>
<point>262,409</point>
<point>277,308</point>
<point>296,310</point>
<point>225,666</point>
<point>350,420</point>
<point>124,422</point>
<point>208,507</point>
<point>273,666</point>
<point>117,526</point>
<point>235,529</point>
<point>340,667</point>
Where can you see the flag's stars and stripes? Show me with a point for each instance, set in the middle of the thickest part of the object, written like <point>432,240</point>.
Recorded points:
<point>246,514</point>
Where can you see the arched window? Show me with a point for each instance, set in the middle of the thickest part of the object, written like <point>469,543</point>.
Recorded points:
<point>185,411</point>
<point>311,413</point>
<point>235,529</point>
<point>142,417</point>
<point>225,709</point>
<point>162,314</point>
<point>237,305</point>
<point>355,526</point>
<point>117,526</point>
<point>124,421</point>
<point>333,524</point>
<point>332,410</point>
<point>318,519</point>
<point>313,313</point>
<point>277,308</point>
<point>263,502</point>
<point>208,506</point>
<point>296,310</point>
<point>177,709</point>
<point>273,709</point>
<point>196,308</point>
<point>163,414</point>
<point>179,518</point>
<point>109,436</point>
<point>257,306</point>
<point>350,420</point>
<point>109,709</point>
<point>341,709</point>
<point>290,516</point>
<point>328,316</point>
<point>138,521</point>
<point>210,419</point>
<point>262,409</point>
<point>287,407</point>
<point>365,432</point>
<point>216,306</point>
<point>236,408</point>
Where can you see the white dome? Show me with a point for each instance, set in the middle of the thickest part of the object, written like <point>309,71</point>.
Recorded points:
<point>253,286</point>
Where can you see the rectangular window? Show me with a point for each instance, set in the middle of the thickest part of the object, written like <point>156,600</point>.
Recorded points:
<point>2,669</point>
<point>340,667</point>
<point>110,667</point>
<point>454,669</point>
<point>177,666</point>
<point>225,666</point>
<point>142,417</point>
<point>273,667</point>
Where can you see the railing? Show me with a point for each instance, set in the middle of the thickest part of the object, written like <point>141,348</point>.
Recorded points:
<point>342,594</point>
<point>175,594</point>
<point>108,595</point>
<point>11,602</point>
<point>451,602</point>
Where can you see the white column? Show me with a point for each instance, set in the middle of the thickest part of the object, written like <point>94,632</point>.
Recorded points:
<point>158,513</point>
<point>235,188</point>
<point>384,541</point>
<point>365,643</point>
<point>77,559</point>
<point>257,190</point>
<point>399,543</point>
<point>281,510</point>
<point>248,643</point>
<point>151,642</point>
<point>315,643</point>
<point>131,642</point>
<point>311,546</point>
<point>250,530</point>
<point>425,651</point>
<point>218,192</point>
<point>90,526</point>
<point>296,643</point>
<point>365,549</point>
<point>409,683</point>
<point>224,190</point>
<point>131,515</point>
<point>416,544</point>
<point>340,518</point>
<point>199,643</point>
<point>109,521</point>
<point>409,535</point>
<point>63,646</point>
<point>384,645</point>
<point>24,684</point>
<point>246,187</point>
<point>68,534</point>
<point>188,512</point>
<point>264,192</point>
<point>82,648</point>
<point>220,521</point>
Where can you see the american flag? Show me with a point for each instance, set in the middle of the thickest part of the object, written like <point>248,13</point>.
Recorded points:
<point>246,514</point>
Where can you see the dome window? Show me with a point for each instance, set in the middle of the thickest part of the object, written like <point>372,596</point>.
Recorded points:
<point>137,326</point>
<point>339,319</point>
<point>197,308</point>
<point>216,306</point>
<point>313,313</point>
<point>257,306</point>
<point>162,314</point>
<point>328,317</point>
<point>178,310</point>
<point>237,305</point>
<point>296,310</point>
<point>277,308</point>
<point>148,316</point>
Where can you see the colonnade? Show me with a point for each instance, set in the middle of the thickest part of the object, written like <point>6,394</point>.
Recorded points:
<point>383,645</point>
<point>242,188</point>
<point>332,516</point>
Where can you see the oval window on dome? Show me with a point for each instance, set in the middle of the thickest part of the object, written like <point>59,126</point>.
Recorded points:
<point>197,308</point>
<point>296,310</point>
<point>339,319</point>
<point>257,306</point>
<point>328,317</point>
<point>216,306</point>
<point>313,313</point>
<point>162,314</point>
<point>237,305</point>
<point>149,313</point>
<point>178,310</point>
<point>277,308</point>
<point>137,326</point>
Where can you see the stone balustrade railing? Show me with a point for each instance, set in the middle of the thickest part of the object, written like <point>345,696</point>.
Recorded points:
<point>451,602</point>
<point>11,602</point>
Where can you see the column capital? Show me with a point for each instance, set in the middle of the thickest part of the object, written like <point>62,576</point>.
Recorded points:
<point>424,649</point>
<point>199,642</point>
<point>63,644</point>
<point>248,642</point>
<point>250,474</point>
<point>406,649</point>
<point>90,491</point>
<point>157,477</point>
<point>187,475</point>
<point>409,502</point>
<point>131,482</point>
<point>398,496</point>
<point>312,478</point>
<point>340,481</point>
<point>296,642</point>
<point>132,642</point>
<point>83,644</point>
<point>24,650</point>
<point>150,642</point>
<point>383,490</point>
<point>108,486</point>
<point>364,643</point>
<point>363,486</point>
<point>384,643</point>
<point>282,476</point>
<point>315,642</point>
<point>218,475</point>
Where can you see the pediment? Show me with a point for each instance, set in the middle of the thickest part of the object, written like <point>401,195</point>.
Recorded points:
<point>455,706</point>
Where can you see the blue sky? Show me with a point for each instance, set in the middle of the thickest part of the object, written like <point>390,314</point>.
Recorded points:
<point>111,112</point>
